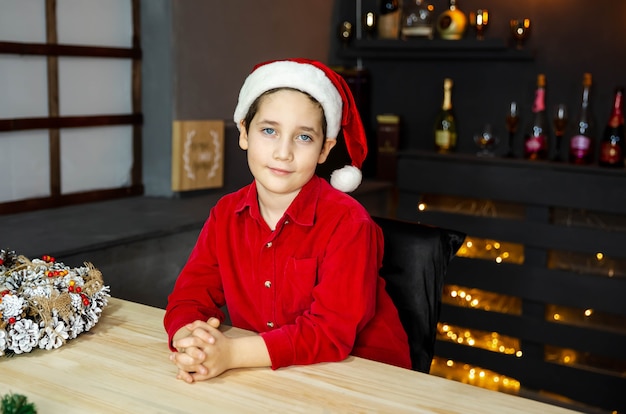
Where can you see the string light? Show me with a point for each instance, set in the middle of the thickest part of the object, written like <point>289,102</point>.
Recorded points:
<point>487,249</point>
<point>473,375</point>
<point>512,253</point>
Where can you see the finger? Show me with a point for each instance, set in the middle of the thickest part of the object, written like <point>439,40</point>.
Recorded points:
<point>191,341</point>
<point>196,324</point>
<point>214,322</point>
<point>190,358</point>
<point>186,363</point>
<point>196,376</point>
<point>184,376</point>
<point>204,334</point>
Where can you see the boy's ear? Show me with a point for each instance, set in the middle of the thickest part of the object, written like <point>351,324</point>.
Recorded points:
<point>328,145</point>
<point>243,136</point>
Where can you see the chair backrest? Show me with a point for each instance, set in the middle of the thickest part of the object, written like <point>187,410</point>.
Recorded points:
<point>415,262</point>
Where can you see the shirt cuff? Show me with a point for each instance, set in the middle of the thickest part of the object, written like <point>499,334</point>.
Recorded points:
<point>280,347</point>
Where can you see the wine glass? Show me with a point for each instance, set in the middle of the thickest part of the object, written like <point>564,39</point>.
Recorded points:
<point>520,29</point>
<point>560,124</point>
<point>486,141</point>
<point>345,32</point>
<point>512,122</point>
<point>369,23</point>
<point>479,20</point>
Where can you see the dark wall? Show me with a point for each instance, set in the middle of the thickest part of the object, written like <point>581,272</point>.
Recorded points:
<point>568,38</point>
<point>206,49</point>
<point>218,42</point>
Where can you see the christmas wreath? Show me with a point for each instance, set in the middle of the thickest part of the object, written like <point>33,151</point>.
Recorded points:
<point>44,303</point>
<point>16,404</point>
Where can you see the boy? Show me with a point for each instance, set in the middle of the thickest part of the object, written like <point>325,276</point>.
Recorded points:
<point>294,259</point>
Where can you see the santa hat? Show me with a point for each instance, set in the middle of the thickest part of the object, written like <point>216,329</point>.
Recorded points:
<point>330,90</point>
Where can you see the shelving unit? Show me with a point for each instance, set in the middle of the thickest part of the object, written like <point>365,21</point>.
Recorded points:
<point>433,49</point>
<point>540,190</point>
<point>405,79</point>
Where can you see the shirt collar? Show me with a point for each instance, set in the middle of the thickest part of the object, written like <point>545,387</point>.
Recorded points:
<point>302,208</point>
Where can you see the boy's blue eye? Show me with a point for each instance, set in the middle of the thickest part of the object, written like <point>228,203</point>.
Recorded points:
<point>305,138</point>
<point>268,131</point>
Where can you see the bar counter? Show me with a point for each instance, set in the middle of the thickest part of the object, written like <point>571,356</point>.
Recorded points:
<point>122,366</point>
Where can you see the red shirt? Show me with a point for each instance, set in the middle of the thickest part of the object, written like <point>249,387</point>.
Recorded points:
<point>310,288</point>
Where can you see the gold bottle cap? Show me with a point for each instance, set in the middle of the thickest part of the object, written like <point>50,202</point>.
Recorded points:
<point>541,80</point>
<point>447,83</point>
<point>388,119</point>
<point>587,79</point>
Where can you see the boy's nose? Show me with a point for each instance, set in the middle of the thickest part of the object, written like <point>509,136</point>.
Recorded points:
<point>283,150</point>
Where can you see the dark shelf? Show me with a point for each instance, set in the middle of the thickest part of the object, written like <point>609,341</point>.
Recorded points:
<point>463,49</point>
<point>471,159</point>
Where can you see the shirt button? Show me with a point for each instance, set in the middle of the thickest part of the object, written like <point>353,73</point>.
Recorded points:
<point>270,324</point>
<point>268,284</point>
<point>268,244</point>
<point>286,221</point>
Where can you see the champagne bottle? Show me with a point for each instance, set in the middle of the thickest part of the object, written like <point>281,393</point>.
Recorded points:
<point>536,136</point>
<point>389,19</point>
<point>612,145</point>
<point>445,123</point>
<point>581,144</point>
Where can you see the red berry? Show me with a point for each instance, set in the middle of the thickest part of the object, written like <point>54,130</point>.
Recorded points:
<point>12,320</point>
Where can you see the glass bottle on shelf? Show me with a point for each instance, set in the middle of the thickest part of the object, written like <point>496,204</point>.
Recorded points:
<point>536,135</point>
<point>612,145</point>
<point>581,144</point>
<point>451,24</point>
<point>559,122</point>
<point>389,19</point>
<point>445,123</point>
<point>417,19</point>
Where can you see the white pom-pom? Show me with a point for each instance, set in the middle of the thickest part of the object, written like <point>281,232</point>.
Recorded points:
<point>346,179</point>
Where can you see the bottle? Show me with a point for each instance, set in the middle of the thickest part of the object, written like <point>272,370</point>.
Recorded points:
<point>417,19</point>
<point>451,24</point>
<point>389,19</point>
<point>445,123</point>
<point>536,136</point>
<point>612,145</point>
<point>581,144</point>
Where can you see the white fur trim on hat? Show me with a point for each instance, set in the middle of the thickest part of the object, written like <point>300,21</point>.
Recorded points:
<point>346,179</point>
<point>289,74</point>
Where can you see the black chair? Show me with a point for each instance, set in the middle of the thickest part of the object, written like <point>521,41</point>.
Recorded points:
<point>415,262</point>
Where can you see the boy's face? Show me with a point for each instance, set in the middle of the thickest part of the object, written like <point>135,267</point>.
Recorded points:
<point>285,142</point>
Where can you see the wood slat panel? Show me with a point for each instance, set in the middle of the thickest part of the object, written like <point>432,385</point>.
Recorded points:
<point>22,206</point>
<point>541,285</point>
<point>52,65</point>
<point>597,342</point>
<point>54,122</point>
<point>535,234</point>
<point>589,387</point>
<point>137,167</point>
<point>545,184</point>
<point>19,124</point>
<point>17,48</point>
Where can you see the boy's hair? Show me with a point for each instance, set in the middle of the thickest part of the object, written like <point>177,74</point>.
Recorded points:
<point>254,107</point>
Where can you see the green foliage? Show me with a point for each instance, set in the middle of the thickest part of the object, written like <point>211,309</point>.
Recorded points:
<point>16,404</point>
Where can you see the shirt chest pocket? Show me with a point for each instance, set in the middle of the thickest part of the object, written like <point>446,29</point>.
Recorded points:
<point>296,288</point>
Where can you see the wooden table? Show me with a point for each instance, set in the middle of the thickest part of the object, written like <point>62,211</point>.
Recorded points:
<point>122,366</point>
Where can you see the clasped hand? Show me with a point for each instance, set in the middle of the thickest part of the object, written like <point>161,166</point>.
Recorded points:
<point>203,353</point>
